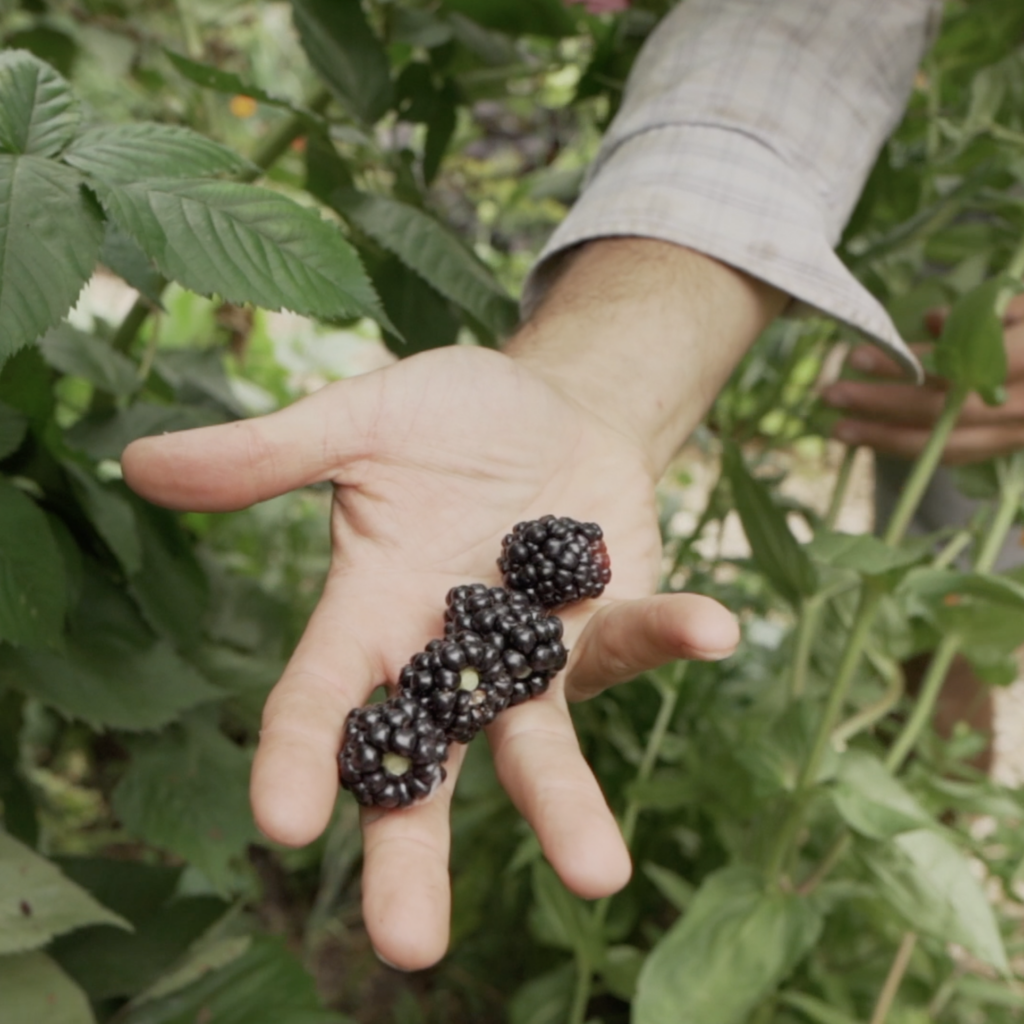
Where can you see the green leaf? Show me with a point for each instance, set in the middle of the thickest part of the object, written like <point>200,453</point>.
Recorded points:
<point>814,1009</point>
<point>970,350</point>
<point>166,798</point>
<point>78,354</point>
<point>198,377</point>
<point>114,673</point>
<point>865,554</point>
<point>621,969</point>
<point>428,248</point>
<point>564,919</point>
<point>110,513</point>
<point>775,550</point>
<point>33,593</point>
<point>265,985</point>
<point>417,310</point>
<point>50,236</point>
<point>123,153</point>
<point>210,77</point>
<point>734,945</point>
<point>930,883</point>
<point>544,1000</point>
<point>676,889</point>
<point>245,244</point>
<point>343,49</point>
<point>123,256</point>
<point>108,963</point>
<point>872,801</point>
<point>131,888</point>
<point>518,17</point>
<point>38,112</point>
<point>13,427</point>
<point>933,588</point>
<point>38,902</point>
<point>36,990</point>
<point>993,993</point>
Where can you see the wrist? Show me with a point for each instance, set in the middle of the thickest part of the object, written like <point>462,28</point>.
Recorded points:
<point>642,334</point>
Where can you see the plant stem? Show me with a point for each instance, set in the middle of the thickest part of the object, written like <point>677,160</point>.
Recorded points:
<point>835,854</point>
<point>839,491</point>
<point>669,698</point>
<point>891,671</point>
<point>921,474</point>
<point>870,598</point>
<point>894,978</point>
<point>807,627</point>
<point>953,550</point>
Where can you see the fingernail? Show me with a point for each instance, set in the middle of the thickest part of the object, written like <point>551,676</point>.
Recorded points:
<point>847,433</point>
<point>387,963</point>
<point>863,359</point>
<point>836,395</point>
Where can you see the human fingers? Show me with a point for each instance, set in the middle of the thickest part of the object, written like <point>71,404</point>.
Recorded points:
<point>871,360</point>
<point>406,883</point>
<point>965,445</point>
<point>892,403</point>
<point>538,761</point>
<point>233,465</point>
<point>626,638</point>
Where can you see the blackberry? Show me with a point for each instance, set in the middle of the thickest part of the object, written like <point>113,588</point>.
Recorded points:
<point>392,753</point>
<point>555,560</point>
<point>527,636</point>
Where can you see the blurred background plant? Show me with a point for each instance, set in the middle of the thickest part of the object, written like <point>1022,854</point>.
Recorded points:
<point>789,868</point>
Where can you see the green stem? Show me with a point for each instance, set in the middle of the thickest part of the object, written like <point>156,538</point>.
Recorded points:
<point>892,982</point>
<point>890,671</point>
<point>870,598</point>
<point>810,612</point>
<point>839,491</point>
<point>956,546</point>
<point>921,474</point>
<point>669,698</point>
<point>835,854</point>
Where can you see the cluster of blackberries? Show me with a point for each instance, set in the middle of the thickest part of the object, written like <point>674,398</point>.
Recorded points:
<point>501,646</point>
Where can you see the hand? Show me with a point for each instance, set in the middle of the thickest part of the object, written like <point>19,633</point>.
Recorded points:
<point>896,418</point>
<point>433,460</point>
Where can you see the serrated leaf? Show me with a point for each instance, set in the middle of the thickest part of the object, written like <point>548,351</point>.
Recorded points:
<point>864,553</point>
<point>929,881</point>
<point>36,990</point>
<point>166,799</point>
<point>123,153</point>
<point>970,350</point>
<point>344,51</point>
<point>873,801</point>
<point>775,550</point>
<point>265,985</point>
<point>13,427</point>
<point>38,902</point>
<point>106,436</point>
<point>122,255</point>
<point>734,945</point>
<point>429,249</point>
<point>422,315</point>
<point>198,378</point>
<point>33,593</point>
<point>50,236</point>
<point>114,674</point>
<point>38,112</point>
<point>110,513</point>
<point>245,244</point>
<point>83,355</point>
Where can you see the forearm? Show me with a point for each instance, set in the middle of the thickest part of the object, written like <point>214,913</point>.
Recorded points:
<point>643,334</point>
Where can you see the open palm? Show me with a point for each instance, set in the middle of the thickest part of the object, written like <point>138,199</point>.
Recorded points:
<point>433,460</point>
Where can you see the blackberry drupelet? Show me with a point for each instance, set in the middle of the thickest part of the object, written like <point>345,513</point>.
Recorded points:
<point>528,637</point>
<point>555,560</point>
<point>392,753</point>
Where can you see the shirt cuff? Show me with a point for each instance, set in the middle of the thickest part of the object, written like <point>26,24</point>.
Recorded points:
<point>726,194</point>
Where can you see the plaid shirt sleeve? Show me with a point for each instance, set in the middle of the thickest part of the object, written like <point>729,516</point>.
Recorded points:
<point>747,131</point>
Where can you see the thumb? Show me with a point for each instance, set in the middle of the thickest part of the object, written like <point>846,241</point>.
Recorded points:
<point>234,465</point>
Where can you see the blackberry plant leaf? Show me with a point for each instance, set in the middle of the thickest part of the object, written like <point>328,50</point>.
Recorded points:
<point>166,798</point>
<point>427,248</point>
<point>110,514</point>
<point>50,236</point>
<point>971,350</point>
<point>36,989</point>
<point>342,47</point>
<point>38,902</point>
<point>122,153</point>
<point>83,355</point>
<point>736,942</point>
<point>13,427</point>
<point>244,244</point>
<point>38,112</point>
<point>33,595</point>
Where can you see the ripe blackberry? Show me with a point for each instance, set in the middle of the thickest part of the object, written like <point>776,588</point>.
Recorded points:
<point>527,636</point>
<point>392,753</point>
<point>555,560</point>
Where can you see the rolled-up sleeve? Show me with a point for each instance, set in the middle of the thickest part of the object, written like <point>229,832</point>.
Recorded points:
<point>747,131</point>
